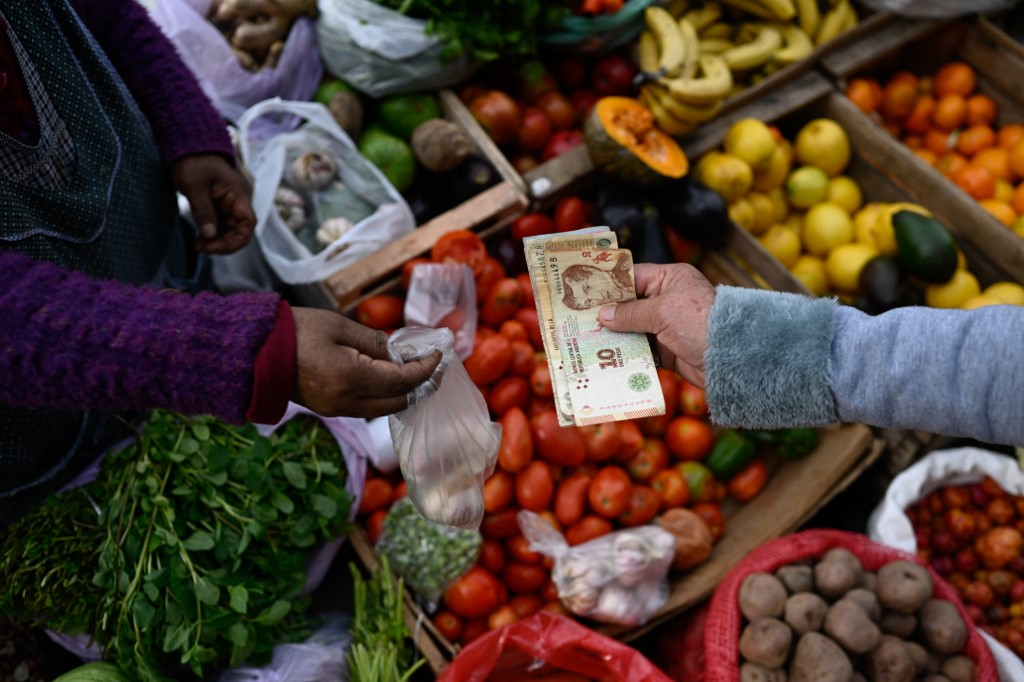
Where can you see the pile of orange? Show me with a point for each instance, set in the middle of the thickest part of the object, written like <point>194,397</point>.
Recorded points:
<point>953,128</point>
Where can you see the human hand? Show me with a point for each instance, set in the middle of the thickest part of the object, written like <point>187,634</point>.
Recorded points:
<point>674,302</point>
<point>343,367</point>
<point>219,197</point>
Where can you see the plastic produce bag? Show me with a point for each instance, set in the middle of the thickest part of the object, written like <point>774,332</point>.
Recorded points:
<point>381,52</point>
<point>272,164</point>
<point>321,658</point>
<point>602,33</point>
<point>444,295</point>
<point>445,440</point>
<point>231,87</point>
<point>890,525</point>
<point>616,578</point>
<point>548,643</point>
<point>938,9</point>
<point>427,556</point>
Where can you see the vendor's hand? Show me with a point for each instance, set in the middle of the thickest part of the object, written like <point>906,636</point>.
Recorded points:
<point>219,197</point>
<point>674,305</point>
<point>344,370</point>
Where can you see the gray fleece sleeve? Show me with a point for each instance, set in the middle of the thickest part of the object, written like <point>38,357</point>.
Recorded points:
<point>777,360</point>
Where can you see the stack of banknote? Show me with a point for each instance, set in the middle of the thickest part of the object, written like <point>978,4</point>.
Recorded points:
<point>598,375</point>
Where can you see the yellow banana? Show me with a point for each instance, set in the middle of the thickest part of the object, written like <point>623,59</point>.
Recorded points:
<point>715,45</point>
<point>719,29</point>
<point>671,49</point>
<point>713,84</point>
<point>677,8</point>
<point>832,23</point>
<point>851,19</point>
<point>797,45</point>
<point>774,10</point>
<point>647,53</point>
<point>681,111</point>
<point>665,120</point>
<point>703,17</point>
<point>808,15</point>
<point>756,52</point>
<point>692,45</point>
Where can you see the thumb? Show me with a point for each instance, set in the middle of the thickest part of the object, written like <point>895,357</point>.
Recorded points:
<point>631,316</point>
<point>203,213</point>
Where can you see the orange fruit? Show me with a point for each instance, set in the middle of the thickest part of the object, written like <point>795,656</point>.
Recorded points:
<point>897,100</point>
<point>950,163</point>
<point>892,127</point>
<point>976,181</point>
<point>1002,211</point>
<point>1017,200</point>
<point>903,77</point>
<point>937,141</point>
<point>927,155</point>
<point>1004,190</point>
<point>972,140</point>
<point>981,109</point>
<point>1010,134</point>
<point>954,78</point>
<point>919,119</point>
<point>997,160</point>
<point>950,111</point>
<point>1017,159</point>
<point>925,85</point>
<point>913,141</point>
<point>861,93</point>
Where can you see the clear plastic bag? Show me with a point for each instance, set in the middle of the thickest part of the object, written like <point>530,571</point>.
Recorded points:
<point>381,52</point>
<point>938,9</point>
<point>321,658</point>
<point>444,295</point>
<point>445,440</point>
<point>617,578</point>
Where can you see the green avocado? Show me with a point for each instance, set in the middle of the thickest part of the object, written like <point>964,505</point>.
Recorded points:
<point>329,88</point>
<point>402,114</point>
<point>391,155</point>
<point>926,249</point>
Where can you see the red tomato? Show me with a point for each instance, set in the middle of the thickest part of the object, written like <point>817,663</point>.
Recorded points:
<point>492,556</point>
<point>503,300</point>
<point>513,330</point>
<point>570,214</point>
<point>609,491</point>
<point>583,102</point>
<point>522,360</point>
<point>528,316</point>
<point>482,334</point>
<point>526,605</point>
<point>523,578</point>
<point>470,93</point>
<point>531,225</point>
<point>670,485</point>
<point>376,495</point>
<point>523,162</point>
<point>534,131</point>
<point>557,444</point>
<point>749,481</point>
<point>571,498</point>
<point>384,311</point>
<point>644,504</point>
<point>670,382</point>
<point>539,406</point>
<point>711,513</point>
<point>683,250</point>
<point>498,114</point>
<point>561,142</point>
<point>408,268</point>
<point>700,482</point>
<point>586,529</point>
<point>601,441</point>
<point>516,448</point>
<point>613,75</point>
<point>692,400</point>
<point>527,286</point>
<point>534,81</point>
<point>400,491</point>
<point>519,549</point>
<point>689,438</point>
<point>558,109</point>
<point>508,393</point>
<point>449,625</point>
<point>498,491</point>
<point>460,246</point>
<point>473,595</point>
<point>491,272</point>
<point>472,629</point>
<point>540,381</point>
<point>489,360</point>
<point>632,440</point>
<point>375,524</point>
<point>503,615</point>
<point>652,458</point>
<point>549,592</point>
<point>501,525</point>
<point>535,486</point>
<point>571,72</point>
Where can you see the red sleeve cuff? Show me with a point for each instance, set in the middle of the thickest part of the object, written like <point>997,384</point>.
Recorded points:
<point>273,375</point>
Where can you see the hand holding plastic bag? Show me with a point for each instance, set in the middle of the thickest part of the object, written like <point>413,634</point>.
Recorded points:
<point>616,578</point>
<point>445,440</point>
<point>444,295</point>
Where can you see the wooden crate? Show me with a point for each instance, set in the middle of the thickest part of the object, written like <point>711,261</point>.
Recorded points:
<point>993,28</point>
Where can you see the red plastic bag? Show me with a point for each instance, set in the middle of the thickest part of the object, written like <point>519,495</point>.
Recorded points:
<point>722,630</point>
<point>549,647</point>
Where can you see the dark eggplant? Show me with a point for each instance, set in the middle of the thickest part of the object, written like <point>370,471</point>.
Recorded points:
<point>473,176</point>
<point>637,225</point>
<point>508,251</point>
<point>693,211</point>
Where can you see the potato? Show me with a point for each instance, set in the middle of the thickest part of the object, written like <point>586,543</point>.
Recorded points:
<point>805,612</point>
<point>899,624</point>
<point>943,629</point>
<point>868,601</point>
<point>890,661</point>
<point>959,669</point>
<point>796,578</point>
<point>869,581</point>
<point>819,659</point>
<point>936,678</point>
<point>347,110</point>
<point>903,586</point>
<point>440,145</point>
<point>693,537</point>
<point>848,623</point>
<point>762,595</point>
<point>858,677</point>
<point>838,572</point>
<point>752,672</point>
<point>766,642</point>
<point>918,654</point>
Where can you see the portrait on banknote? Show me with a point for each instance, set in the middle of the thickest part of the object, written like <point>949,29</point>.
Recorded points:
<point>608,279</point>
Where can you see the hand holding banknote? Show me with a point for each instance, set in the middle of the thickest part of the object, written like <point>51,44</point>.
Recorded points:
<point>674,304</point>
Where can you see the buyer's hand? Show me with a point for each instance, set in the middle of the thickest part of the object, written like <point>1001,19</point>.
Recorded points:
<point>344,370</point>
<point>674,305</point>
<point>219,197</point>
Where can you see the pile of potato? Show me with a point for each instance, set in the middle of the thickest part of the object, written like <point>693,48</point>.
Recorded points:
<point>256,29</point>
<point>833,621</point>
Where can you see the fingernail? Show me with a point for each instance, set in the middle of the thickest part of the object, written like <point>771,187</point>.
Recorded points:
<point>606,314</point>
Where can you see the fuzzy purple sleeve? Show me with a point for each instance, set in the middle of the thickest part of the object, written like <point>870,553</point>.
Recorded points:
<point>182,117</point>
<point>70,341</point>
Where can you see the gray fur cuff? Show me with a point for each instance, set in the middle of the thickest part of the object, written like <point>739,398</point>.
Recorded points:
<point>768,365</point>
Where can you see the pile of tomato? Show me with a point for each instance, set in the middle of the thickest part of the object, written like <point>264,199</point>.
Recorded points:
<point>586,481</point>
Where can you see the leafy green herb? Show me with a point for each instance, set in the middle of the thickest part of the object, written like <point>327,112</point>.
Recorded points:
<point>380,651</point>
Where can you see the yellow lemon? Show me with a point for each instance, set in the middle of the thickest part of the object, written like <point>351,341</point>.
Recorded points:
<point>1010,293</point>
<point>806,186</point>
<point>781,206</point>
<point>764,211</point>
<point>961,287</point>
<point>826,226</point>
<point>750,140</point>
<point>810,270</point>
<point>774,173</point>
<point>1004,191</point>
<point>961,259</point>
<point>844,263</point>
<point>845,191</point>
<point>795,222</point>
<point>1018,226</point>
<point>885,235</point>
<point>823,143</point>
<point>979,301</point>
<point>864,223</point>
<point>728,175</point>
<point>782,243</point>
<point>742,213</point>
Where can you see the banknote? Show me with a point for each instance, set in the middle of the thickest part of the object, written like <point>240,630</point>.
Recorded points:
<point>611,376</point>
<point>587,238</point>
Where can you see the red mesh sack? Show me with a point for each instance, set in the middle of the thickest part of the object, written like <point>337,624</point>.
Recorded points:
<point>722,630</point>
<point>549,646</point>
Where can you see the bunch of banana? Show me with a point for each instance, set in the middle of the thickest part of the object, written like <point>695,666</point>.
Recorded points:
<point>841,17</point>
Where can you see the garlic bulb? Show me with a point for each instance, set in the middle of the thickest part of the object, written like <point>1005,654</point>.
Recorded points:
<point>313,171</point>
<point>290,207</point>
<point>332,229</point>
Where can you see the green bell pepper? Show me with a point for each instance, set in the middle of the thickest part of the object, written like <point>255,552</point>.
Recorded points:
<point>732,451</point>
